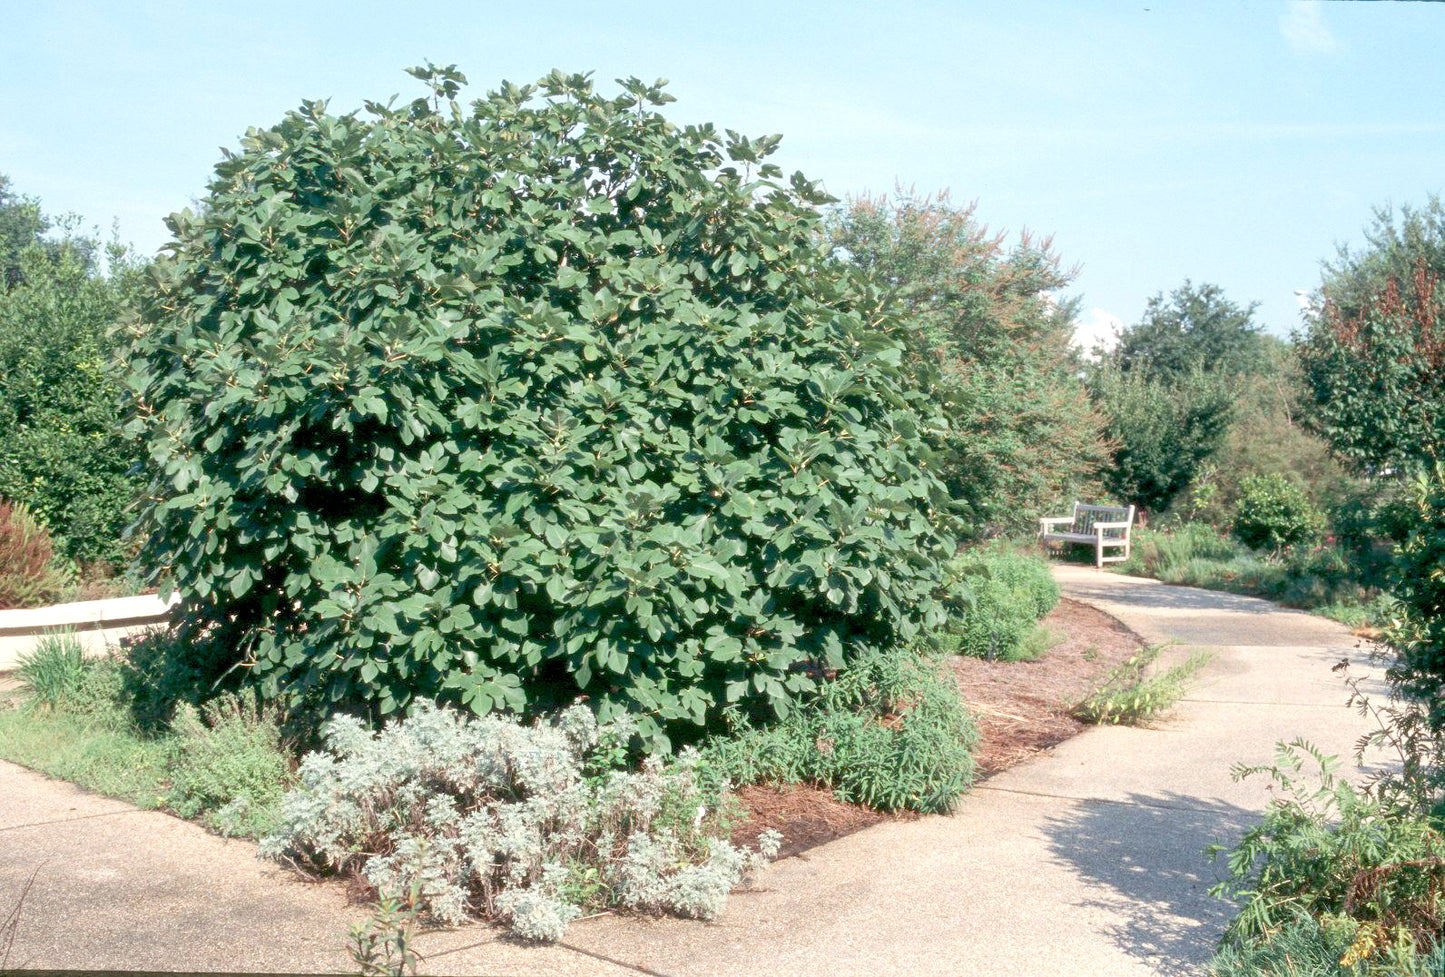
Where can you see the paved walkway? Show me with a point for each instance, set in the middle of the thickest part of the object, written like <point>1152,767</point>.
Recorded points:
<point>1087,861</point>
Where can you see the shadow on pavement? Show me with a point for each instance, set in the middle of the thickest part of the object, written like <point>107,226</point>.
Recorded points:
<point>1171,597</point>
<point>1146,856</point>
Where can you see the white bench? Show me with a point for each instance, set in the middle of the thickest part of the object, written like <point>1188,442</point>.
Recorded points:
<point>1105,526</point>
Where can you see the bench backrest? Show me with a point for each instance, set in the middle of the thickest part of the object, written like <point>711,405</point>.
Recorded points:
<point>1086,515</point>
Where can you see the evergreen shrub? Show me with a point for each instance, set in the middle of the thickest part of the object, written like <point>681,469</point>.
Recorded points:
<point>536,398</point>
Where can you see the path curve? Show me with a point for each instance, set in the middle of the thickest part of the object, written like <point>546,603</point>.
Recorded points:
<point>1085,861</point>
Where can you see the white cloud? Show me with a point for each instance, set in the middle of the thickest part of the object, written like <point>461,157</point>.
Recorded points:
<point>1097,328</point>
<point>1304,30</point>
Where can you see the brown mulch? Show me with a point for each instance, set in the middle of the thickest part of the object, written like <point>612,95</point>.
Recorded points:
<point>1021,708</point>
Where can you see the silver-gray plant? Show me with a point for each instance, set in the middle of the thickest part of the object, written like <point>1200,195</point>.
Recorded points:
<point>487,817</point>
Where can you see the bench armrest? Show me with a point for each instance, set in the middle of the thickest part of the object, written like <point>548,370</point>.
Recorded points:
<point>1052,521</point>
<point>1112,525</point>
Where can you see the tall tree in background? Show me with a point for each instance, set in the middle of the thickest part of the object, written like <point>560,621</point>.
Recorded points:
<point>988,336</point>
<point>1169,390</point>
<point>61,448</point>
<point>1195,329</point>
<point>1373,350</point>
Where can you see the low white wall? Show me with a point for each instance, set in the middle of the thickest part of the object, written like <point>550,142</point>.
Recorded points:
<point>98,624</point>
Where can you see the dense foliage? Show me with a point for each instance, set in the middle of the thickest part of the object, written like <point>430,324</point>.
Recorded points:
<point>990,340</point>
<point>538,398</point>
<point>1373,353</point>
<point>997,599</point>
<point>61,448</point>
<point>1342,856</point>
<point>1164,429</point>
<point>1195,329</point>
<point>1417,632</point>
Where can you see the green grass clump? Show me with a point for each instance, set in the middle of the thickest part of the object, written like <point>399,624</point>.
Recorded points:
<point>1301,947</point>
<point>996,597</point>
<point>889,732</point>
<point>1130,695</point>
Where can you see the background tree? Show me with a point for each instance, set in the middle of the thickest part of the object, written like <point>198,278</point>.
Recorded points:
<point>1170,390</point>
<point>62,451</point>
<point>1373,350</point>
<point>988,336</point>
<point>1164,430</point>
<point>1196,329</point>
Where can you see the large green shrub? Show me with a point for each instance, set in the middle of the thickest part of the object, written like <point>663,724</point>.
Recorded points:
<point>538,398</point>
<point>1273,512</point>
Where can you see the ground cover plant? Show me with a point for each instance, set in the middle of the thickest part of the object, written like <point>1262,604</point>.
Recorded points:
<point>531,399</point>
<point>888,732</point>
<point>532,825</point>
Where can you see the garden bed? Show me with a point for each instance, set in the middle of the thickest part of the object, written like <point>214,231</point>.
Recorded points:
<point>1022,710</point>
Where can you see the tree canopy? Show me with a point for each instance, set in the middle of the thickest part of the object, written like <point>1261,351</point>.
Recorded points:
<point>1373,349</point>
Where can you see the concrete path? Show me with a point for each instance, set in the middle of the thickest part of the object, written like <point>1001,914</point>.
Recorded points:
<point>1087,861</point>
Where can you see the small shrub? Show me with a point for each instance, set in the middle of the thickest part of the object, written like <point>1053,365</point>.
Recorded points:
<point>231,767</point>
<point>1130,696</point>
<point>890,732</point>
<point>997,596</point>
<point>381,946</point>
<point>29,575</point>
<point>1274,512</point>
<point>486,816</point>
<point>1329,849</point>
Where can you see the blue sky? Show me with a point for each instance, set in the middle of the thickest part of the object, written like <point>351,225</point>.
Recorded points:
<point>1156,140</point>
